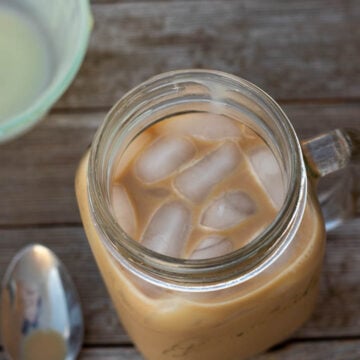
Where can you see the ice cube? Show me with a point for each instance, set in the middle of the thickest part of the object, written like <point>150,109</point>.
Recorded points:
<point>162,157</point>
<point>204,126</point>
<point>196,181</point>
<point>269,175</point>
<point>123,209</point>
<point>168,229</point>
<point>212,246</point>
<point>229,210</point>
<point>134,148</point>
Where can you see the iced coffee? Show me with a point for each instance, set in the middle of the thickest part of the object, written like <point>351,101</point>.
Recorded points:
<point>200,186</point>
<point>197,186</point>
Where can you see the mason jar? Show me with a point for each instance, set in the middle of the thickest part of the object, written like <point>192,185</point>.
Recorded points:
<point>228,307</point>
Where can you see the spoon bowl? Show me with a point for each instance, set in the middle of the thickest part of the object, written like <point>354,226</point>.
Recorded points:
<point>41,315</point>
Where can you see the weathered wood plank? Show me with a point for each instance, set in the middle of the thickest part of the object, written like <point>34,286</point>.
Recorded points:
<point>337,314</point>
<point>127,1</point>
<point>292,49</point>
<point>110,354</point>
<point>334,350</point>
<point>37,170</point>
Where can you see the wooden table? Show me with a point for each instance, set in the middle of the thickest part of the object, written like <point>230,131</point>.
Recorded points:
<point>306,54</point>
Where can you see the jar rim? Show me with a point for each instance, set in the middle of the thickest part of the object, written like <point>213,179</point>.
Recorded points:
<point>213,273</point>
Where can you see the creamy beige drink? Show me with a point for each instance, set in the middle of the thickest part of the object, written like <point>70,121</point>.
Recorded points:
<point>198,186</point>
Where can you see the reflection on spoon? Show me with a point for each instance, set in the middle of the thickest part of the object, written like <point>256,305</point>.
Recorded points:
<point>41,315</point>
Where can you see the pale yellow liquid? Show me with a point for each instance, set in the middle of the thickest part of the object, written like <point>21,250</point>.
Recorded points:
<point>24,60</point>
<point>231,324</point>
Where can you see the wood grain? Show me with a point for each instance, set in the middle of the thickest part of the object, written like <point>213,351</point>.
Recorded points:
<point>337,314</point>
<point>292,49</point>
<point>110,354</point>
<point>335,350</point>
<point>37,170</point>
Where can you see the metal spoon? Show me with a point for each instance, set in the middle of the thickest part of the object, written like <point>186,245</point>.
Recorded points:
<point>41,316</point>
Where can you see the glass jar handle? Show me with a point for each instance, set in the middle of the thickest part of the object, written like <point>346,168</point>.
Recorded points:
<point>324,155</point>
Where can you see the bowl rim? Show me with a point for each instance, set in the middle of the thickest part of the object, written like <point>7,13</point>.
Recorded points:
<point>35,112</point>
